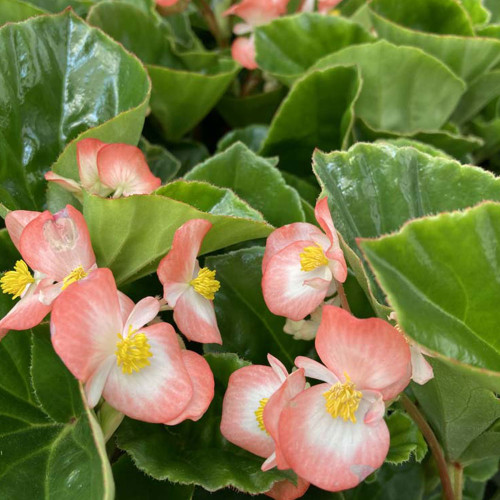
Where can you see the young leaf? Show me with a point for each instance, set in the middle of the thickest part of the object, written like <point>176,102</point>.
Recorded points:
<point>406,439</point>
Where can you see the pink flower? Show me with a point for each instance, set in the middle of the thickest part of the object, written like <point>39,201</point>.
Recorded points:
<point>120,169</point>
<point>166,3</point>
<point>334,434</point>
<point>140,371</point>
<point>301,264</point>
<point>243,52</point>
<point>325,6</point>
<point>286,490</point>
<point>57,247</point>
<point>189,290</point>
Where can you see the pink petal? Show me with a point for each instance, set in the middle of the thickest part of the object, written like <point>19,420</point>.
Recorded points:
<point>95,384</point>
<point>270,462</point>
<point>123,168</point>
<point>376,410</point>
<point>278,367</point>
<point>325,5</point>
<point>291,233</point>
<point>85,323</point>
<point>203,387</point>
<point>57,244</point>
<point>246,388</point>
<point>16,221</point>
<point>334,252</point>
<point>329,452</point>
<point>195,318</point>
<point>144,311</point>
<point>293,385</point>
<point>286,490</point>
<point>166,3</point>
<point>126,306</point>
<point>50,293</point>
<point>243,52</point>
<point>372,352</point>
<point>283,284</point>
<point>86,157</point>
<point>257,12</point>
<point>316,370</point>
<point>178,266</point>
<point>158,392</point>
<point>422,371</point>
<point>68,184</point>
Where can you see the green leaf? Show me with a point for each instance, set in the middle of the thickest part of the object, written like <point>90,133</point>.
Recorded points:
<point>256,180</point>
<point>13,11</point>
<point>53,456</point>
<point>468,57</point>
<point>289,46</point>
<point>252,137</point>
<point>406,439</point>
<point>458,409</point>
<point>387,186</point>
<point>246,324</point>
<point>162,163</point>
<point>398,83</point>
<point>439,274</point>
<point>132,249</point>
<point>308,189</point>
<point>133,484</point>
<point>72,92</point>
<point>310,118</point>
<point>196,452</point>
<point>478,14</point>
<point>186,86</point>
<point>189,153</point>
<point>420,146</point>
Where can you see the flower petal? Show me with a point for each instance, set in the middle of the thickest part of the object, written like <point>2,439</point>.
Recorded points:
<point>177,267</point>
<point>203,387</point>
<point>126,306</point>
<point>316,370</point>
<point>123,168</point>
<point>372,352</point>
<point>286,490</point>
<point>57,244</point>
<point>95,384</point>
<point>16,221</point>
<point>257,12</point>
<point>143,312</point>
<point>278,367</point>
<point>422,371</point>
<point>243,52</point>
<point>329,452</point>
<point>85,323</point>
<point>158,392</point>
<point>68,184</point>
<point>283,284</point>
<point>247,387</point>
<point>86,157</point>
<point>195,318</point>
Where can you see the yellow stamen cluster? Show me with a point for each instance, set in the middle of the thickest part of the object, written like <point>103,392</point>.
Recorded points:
<point>259,414</point>
<point>342,400</point>
<point>132,351</point>
<point>205,283</point>
<point>77,274</point>
<point>16,281</point>
<point>312,257</point>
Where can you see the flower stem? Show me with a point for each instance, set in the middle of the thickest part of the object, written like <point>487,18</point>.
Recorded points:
<point>212,23</point>
<point>343,298</point>
<point>433,443</point>
<point>456,472</point>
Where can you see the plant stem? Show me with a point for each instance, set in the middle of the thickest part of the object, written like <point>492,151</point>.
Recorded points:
<point>212,23</point>
<point>433,443</point>
<point>343,298</point>
<point>456,471</point>
<point>251,83</point>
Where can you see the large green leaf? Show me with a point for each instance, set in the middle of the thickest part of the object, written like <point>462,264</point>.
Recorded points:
<point>287,47</point>
<point>374,189</point>
<point>131,235</point>
<point>252,137</point>
<point>196,452</point>
<point>13,11</point>
<point>317,113</point>
<point>468,57</point>
<point>186,86</point>
<point>162,163</point>
<point>246,324</point>
<point>404,89</point>
<point>60,93</point>
<point>460,411</point>
<point>52,446</point>
<point>441,276</point>
<point>256,180</point>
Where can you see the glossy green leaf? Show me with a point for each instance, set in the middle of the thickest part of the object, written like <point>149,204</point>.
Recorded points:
<point>398,83</point>
<point>186,86</point>
<point>196,452</point>
<point>162,163</point>
<point>289,46</point>
<point>55,455</point>
<point>311,118</point>
<point>246,324</point>
<point>420,146</point>
<point>307,188</point>
<point>489,131</point>
<point>13,11</point>
<point>406,439</point>
<point>467,56</point>
<point>68,95</point>
<point>254,179</point>
<point>252,136</point>
<point>459,410</point>
<point>374,189</point>
<point>132,248</point>
<point>189,153</point>
<point>478,13</point>
<point>439,276</point>
<point>133,484</point>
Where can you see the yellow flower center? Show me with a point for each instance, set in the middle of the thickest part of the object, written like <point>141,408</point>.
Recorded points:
<point>342,400</point>
<point>132,351</point>
<point>205,283</point>
<point>259,414</point>
<point>16,281</point>
<point>77,274</point>
<point>312,257</point>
